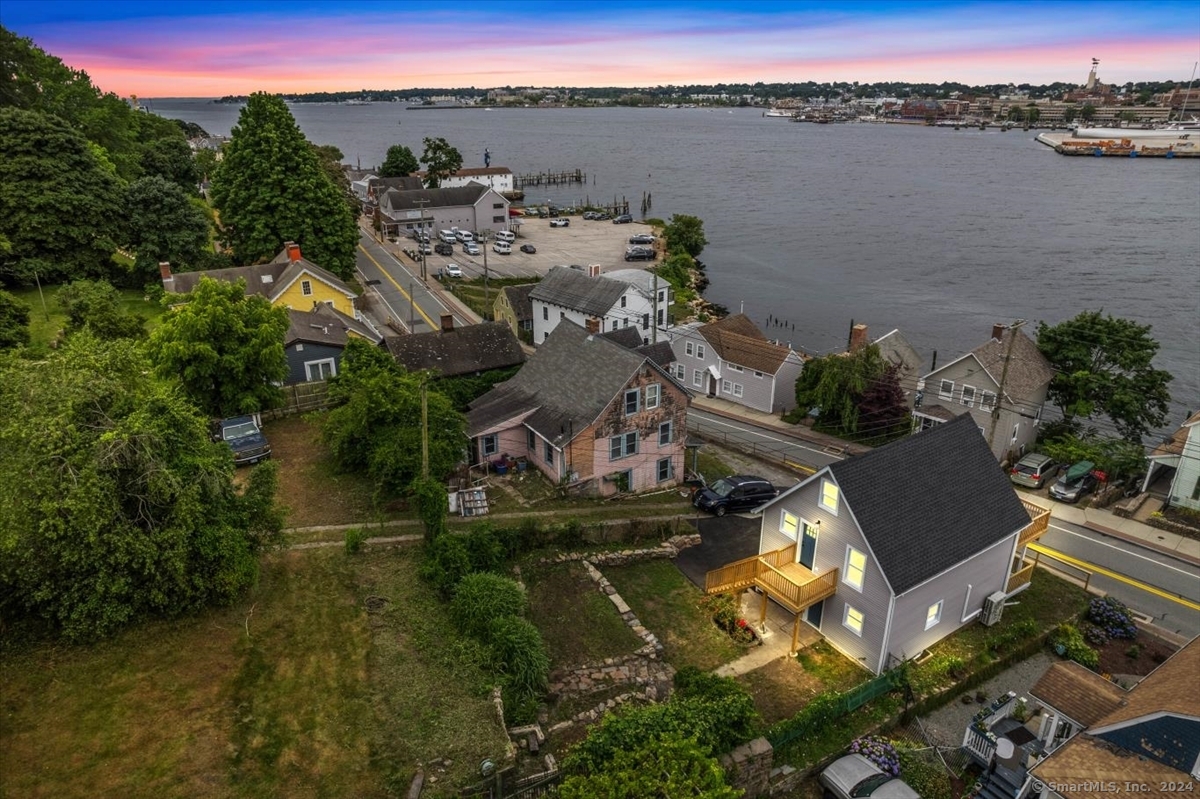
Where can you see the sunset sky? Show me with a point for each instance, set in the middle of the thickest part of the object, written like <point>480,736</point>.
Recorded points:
<point>213,48</point>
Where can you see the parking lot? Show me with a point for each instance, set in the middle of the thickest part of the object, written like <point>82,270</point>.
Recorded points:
<point>582,242</point>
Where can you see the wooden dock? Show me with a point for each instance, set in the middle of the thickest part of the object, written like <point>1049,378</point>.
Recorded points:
<point>549,179</point>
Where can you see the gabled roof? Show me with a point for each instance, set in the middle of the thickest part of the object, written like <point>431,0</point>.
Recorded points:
<point>660,352</point>
<point>738,340</point>
<point>628,337</point>
<point>928,502</point>
<point>1174,445</point>
<point>518,300</point>
<point>896,349</point>
<point>471,172</point>
<point>570,288</point>
<point>268,280</point>
<point>567,384</point>
<point>407,183</point>
<point>453,197</point>
<point>463,350</point>
<point>1028,369</point>
<point>1080,693</point>
<point>324,324</point>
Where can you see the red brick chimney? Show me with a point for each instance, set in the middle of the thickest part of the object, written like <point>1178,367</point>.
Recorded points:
<point>998,331</point>
<point>858,338</point>
<point>447,323</point>
<point>593,326</point>
<point>164,269</point>
<point>293,251</point>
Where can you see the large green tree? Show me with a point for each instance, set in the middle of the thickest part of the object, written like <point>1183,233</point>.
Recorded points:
<point>225,346</point>
<point>376,424</point>
<point>14,322</point>
<point>440,160</point>
<point>400,162</point>
<point>115,503</point>
<point>95,305</point>
<point>59,207</point>
<point>271,188</point>
<point>170,157</point>
<point>1104,367</point>
<point>685,234</point>
<point>835,385</point>
<point>162,223</point>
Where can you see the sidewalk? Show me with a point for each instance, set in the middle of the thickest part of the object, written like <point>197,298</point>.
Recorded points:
<point>772,422</point>
<point>1109,524</point>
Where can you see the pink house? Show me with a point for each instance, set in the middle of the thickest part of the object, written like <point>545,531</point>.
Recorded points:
<point>586,412</point>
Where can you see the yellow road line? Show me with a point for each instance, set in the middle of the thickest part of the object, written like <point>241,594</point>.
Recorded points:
<point>392,280</point>
<point>1083,564</point>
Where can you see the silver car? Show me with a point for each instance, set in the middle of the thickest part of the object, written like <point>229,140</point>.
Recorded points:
<point>854,776</point>
<point>1033,470</point>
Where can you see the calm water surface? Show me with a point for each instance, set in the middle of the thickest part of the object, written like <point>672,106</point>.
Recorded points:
<point>937,232</point>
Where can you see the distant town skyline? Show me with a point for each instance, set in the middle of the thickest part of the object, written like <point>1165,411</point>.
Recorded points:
<point>216,48</point>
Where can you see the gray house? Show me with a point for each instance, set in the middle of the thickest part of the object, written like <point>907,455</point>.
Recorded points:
<point>315,339</point>
<point>473,207</point>
<point>733,360</point>
<point>889,552</point>
<point>1002,384</point>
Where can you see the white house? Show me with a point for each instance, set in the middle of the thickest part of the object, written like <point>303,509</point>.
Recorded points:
<point>622,298</point>
<point>1181,452</point>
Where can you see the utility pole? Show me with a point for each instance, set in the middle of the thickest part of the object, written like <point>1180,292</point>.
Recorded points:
<point>483,234</point>
<point>424,429</point>
<point>654,335</point>
<point>424,234</point>
<point>411,320</point>
<point>1012,337</point>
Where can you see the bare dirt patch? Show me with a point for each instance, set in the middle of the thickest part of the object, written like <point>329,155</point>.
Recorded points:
<point>1137,658</point>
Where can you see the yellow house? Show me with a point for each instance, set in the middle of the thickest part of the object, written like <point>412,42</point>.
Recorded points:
<point>513,307</point>
<point>289,281</point>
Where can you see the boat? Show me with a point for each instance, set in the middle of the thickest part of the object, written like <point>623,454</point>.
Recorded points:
<point>779,112</point>
<point>1163,132</point>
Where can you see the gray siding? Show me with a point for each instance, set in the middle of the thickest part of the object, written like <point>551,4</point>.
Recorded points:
<point>985,573</point>
<point>1021,417</point>
<point>837,532</point>
<point>785,384</point>
<point>756,391</point>
<point>300,353</point>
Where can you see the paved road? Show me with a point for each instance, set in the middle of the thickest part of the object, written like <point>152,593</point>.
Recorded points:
<point>768,444</point>
<point>1145,565</point>
<point>401,289</point>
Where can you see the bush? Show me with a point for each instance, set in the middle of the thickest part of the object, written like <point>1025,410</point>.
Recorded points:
<point>1074,647</point>
<point>521,656</point>
<point>726,613</point>
<point>485,549</point>
<point>1000,641</point>
<point>672,766</point>
<point>1112,618</point>
<point>354,540</point>
<point>446,562</point>
<point>879,751</point>
<point>925,774</point>
<point>481,598</point>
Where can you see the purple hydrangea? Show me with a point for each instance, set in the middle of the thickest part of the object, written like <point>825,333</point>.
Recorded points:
<point>879,751</point>
<point>1112,618</point>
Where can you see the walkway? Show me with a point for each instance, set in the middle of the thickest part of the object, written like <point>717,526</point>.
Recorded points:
<point>772,422</point>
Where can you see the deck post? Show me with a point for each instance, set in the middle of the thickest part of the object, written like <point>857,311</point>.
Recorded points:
<point>795,635</point>
<point>762,616</point>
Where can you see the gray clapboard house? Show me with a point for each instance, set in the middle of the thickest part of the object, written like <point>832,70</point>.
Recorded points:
<point>315,340</point>
<point>889,552</point>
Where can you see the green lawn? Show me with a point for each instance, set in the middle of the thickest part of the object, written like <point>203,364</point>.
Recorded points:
<point>668,605</point>
<point>46,321</point>
<point>295,691</point>
<point>579,624</point>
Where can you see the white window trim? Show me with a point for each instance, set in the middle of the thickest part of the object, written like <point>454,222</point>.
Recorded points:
<point>697,378</point>
<point>726,387</point>
<point>689,348</point>
<point>943,393</point>
<point>783,524</point>
<point>699,350</point>
<point>862,619</point>
<point>738,390</point>
<point>970,403</point>
<point>733,367</point>
<point>837,500</point>
<point>846,569</point>
<point>483,445</point>
<point>657,395</point>
<point>1016,429</point>
<point>306,288</point>
<point>987,400</point>
<point>936,618</point>
<point>308,368</point>
<point>758,374</point>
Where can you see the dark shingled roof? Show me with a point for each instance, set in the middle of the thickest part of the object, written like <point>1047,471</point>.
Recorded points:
<point>570,380</point>
<point>738,340</point>
<point>456,196</point>
<point>628,337</point>
<point>1028,369</point>
<point>324,324</point>
<point>570,288</point>
<point>518,300</point>
<point>464,350</point>
<point>930,501</point>
<point>631,339</point>
<point>660,352</point>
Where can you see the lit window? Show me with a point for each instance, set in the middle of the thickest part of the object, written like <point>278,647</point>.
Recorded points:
<point>306,288</point>
<point>653,392</point>
<point>632,401</point>
<point>853,620</point>
<point>946,389</point>
<point>665,470</point>
<point>829,496</point>
<point>788,524</point>
<point>856,567</point>
<point>933,615</point>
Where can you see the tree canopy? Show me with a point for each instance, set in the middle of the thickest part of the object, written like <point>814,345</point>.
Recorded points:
<point>115,502</point>
<point>162,223</point>
<point>1104,368</point>
<point>685,234</point>
<point>671,766</point>
<point>225,346</point>
<point>95,306</point>
<point>440,160</point>
<point>400,162</point>
<point>376,424</point>
<point>14,322</point>
<point>270,188</point>
<point>854,395</point>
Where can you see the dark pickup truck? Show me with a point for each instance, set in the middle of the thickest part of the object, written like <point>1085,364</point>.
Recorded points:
<point>244,436</point>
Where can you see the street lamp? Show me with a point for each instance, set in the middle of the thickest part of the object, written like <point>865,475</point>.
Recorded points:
<point>484,234</point>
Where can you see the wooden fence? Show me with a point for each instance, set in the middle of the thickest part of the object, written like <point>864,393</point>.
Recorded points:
<point>301,398</point>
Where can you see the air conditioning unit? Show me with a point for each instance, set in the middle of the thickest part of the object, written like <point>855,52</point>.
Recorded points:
<point>993,608</point>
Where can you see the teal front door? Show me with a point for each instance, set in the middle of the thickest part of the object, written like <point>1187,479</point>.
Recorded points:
<point>808,546</point>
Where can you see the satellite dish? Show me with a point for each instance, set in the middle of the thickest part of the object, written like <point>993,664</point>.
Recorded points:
<point>1004,749</point>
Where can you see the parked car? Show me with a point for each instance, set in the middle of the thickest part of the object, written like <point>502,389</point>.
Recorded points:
<point>471,248</point>
<point>502,248</point>
<point>529,248</point>
<point>589,215</point>
<point>561,222</point>
<point>734,494</point>
<point>602,217</point>
<point>1033,470</point>
<point>244,436</point>
<point>442,248</point>
<point>464,236</point>
<point>506,235</point>
<point>623,219</point>
<point>1080,479</point>
<point>641,238</point>
<point>454,270</point>
<point>854,776</point>
<point>639,254</point>
<point>425,249</point>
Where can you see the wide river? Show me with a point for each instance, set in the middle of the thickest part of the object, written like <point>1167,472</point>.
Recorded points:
<point>937,232</point>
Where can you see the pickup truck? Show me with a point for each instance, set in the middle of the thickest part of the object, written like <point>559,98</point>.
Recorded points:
<point>244,436</point>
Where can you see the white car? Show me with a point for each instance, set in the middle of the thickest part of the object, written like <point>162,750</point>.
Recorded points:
<point>502,248</point>
<point>465,235</point>
<point>454,270</point>
<point>854,776</point>
<point>560,222</point>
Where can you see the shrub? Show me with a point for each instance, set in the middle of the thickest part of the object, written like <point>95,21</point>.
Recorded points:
<point>879,751</point>
<point>672,766</point>
<point>1096,636</point>
<point>1000,641</point>
<point>925,774</point>
<point>482,597</point>
<point>1111,616</point>
<point>692,683</point>
<point>1074,647</point>
<point>485,549</point>
<point>521,656</point>
<point>726,613</point>
<point>1134,652</point>
<point>446,562</point>
<point>354,540</point>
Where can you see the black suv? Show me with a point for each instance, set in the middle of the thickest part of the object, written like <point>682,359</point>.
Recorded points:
<point>442,248</point>
<point>639,254</point>
<point>740,492</point>
<point>623,219</point>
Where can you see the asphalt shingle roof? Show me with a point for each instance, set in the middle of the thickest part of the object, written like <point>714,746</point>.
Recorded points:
<point>570,288</point>
<point>463,350</point>
<point>738,340</point>
<point>1028,369</point>
<point>518,300</point>
<point>930,501</point>
<point>324,324</point>
<point>456,196</point>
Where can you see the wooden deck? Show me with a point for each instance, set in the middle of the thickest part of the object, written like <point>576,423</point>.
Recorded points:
<point>778,575</point>
<point>1039,523</point>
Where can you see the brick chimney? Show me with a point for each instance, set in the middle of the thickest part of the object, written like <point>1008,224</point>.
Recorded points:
<point>858,338</point>
<point>593,326</point>
<point>998,331</point>
<point>447,323</point>
<point>293,251</point>
<point>164,269</point>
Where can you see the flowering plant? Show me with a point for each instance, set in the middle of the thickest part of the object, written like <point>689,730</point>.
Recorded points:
<point>741,622</point>
<point>1111,618</point>
<point>879,751</point>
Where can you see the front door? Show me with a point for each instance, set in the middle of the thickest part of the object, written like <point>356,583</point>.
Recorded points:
<point>808,546</point>
<point>813,614</point>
